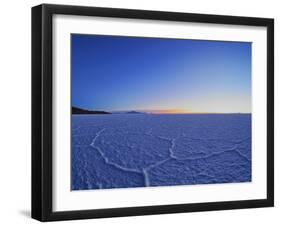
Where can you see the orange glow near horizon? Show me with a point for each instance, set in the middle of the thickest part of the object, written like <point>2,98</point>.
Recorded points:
<point>170,111</point>
<point>184,111</point>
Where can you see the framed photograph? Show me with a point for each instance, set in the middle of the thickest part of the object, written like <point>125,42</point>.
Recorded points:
<point>145,112</point>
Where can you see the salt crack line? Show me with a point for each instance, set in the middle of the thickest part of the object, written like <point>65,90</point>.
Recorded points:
<point>171,140</point>
<point>146,178</point>
<point>171,148</point>
<point>218,139</point>
<point>96,137</point>
<point>107,161</point>
<point>156,164</point>
<point>242,155</point>
<point>145,170</point>
<point>214,154</point>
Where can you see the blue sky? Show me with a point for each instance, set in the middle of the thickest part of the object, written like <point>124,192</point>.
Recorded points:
<point>116,73</point>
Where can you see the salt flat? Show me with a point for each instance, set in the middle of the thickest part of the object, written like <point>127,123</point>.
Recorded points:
<point>138,150</point>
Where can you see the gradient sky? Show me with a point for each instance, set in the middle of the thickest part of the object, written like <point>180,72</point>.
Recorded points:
<point>115,73</point>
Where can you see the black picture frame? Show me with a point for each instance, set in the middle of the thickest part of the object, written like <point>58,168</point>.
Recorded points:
<point>42,196</point>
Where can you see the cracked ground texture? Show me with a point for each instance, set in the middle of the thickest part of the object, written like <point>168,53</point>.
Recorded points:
<point>121,150</point>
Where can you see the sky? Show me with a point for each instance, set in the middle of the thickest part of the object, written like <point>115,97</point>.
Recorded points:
<point>160,75</point>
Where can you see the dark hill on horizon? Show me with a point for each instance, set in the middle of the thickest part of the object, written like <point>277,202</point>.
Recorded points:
<point>134,112</point>
<point>80,111</point>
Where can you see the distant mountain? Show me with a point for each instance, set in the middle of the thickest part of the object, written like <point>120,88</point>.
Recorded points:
<point>127,112</point>
<point>80,111</point>
<point>133,112</point>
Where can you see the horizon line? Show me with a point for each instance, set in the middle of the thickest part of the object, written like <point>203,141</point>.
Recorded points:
<point>164,111</point>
